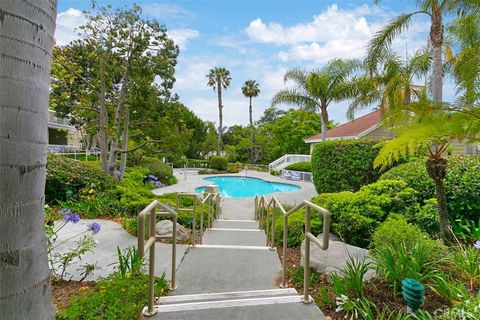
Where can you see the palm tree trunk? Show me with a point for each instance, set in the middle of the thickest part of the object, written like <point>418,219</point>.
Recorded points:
<point>324,122</point>
<point>436,37</point>
<point>26,40</point>
<point>252,133</point>
<point>220,118</point>
<point>436,168</point>
<point>103,120</point>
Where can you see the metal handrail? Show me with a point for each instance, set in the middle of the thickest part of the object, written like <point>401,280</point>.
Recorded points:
<point>147,237</point>
<point>213,209</point>
<point>263,205</point>
<point>146,243</point>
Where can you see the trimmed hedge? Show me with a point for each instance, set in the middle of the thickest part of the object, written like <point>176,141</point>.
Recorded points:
<point>67,177</point>
<point>462,183</point>
<point>305,166</point>
<point>343,165</point>
<point>356,215</point>
<point>219,163</point>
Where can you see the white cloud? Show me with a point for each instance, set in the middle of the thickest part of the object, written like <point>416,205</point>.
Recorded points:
<point>67,22</point>
<point>335,32</point>
<point>165,11</point>
<point>182,36</point>
<point>331,24</point>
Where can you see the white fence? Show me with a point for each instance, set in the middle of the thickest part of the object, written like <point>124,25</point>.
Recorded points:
<point>288,159</point>
<point>296,175</point>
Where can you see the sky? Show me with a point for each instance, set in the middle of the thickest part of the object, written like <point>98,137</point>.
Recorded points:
<point>259,40</point>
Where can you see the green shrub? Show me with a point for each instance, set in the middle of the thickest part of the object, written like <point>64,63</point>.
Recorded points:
<point>297,274</point>
<point>67,177</point>
<point>94,207</point>
<point>218,163</point>
<point>461,183</point>
<point>396,230</point>
<point>296,227</point>
<point>305,166</point>
<point>343,165</point>
<point>427,218</point>
<point>115,297</point>
<point>356,215</point>
<point>161,170</point>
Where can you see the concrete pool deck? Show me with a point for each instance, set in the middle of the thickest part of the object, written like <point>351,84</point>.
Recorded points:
<point>194,181</point>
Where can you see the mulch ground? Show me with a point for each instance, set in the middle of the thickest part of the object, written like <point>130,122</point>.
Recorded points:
<point>64,291</point>
<point>376,291</point>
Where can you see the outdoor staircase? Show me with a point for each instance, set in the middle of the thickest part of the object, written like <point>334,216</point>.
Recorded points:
<point>234,275</point>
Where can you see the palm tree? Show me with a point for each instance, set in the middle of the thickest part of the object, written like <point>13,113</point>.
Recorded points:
<point>315,90</point>
<point>219,78</point>
<point>380,44</point>
<point>251,89</point>
<point>25,291</point>
<point>390,83</point>
<point>436,9</point>
<point>463,36</point>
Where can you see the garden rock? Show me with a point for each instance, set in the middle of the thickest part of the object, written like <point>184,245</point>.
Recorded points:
<point>335,258</point>
<point>164,228</point>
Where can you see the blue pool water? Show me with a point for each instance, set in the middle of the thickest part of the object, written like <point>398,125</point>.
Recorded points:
<point>245,187</point>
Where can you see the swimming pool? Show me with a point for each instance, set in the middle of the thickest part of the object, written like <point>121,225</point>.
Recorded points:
<point>246,187</point>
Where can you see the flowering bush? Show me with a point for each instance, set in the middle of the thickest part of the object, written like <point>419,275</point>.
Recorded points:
<point>153,180</point>
<point>59,262</point>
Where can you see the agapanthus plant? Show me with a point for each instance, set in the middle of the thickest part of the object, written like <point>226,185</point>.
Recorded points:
<point>59,262</point>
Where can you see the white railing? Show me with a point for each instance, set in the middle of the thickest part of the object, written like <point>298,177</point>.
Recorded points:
<point>296,175</point>
<point>72,152</point>
<point>287,159</point>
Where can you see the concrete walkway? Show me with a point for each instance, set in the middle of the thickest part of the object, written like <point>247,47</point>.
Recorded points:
<point>104,256</point>
<point>233,275</point>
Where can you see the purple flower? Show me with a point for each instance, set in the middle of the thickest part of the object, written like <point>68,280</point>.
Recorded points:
<point>94,227</point>
<point>477,245</point>
<point>117,174</point>
<point>70,216</point>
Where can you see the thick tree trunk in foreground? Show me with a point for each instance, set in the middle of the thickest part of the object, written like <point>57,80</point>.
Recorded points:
<point>436,169</point>
<point>220,118</point>
<point>26,40</point>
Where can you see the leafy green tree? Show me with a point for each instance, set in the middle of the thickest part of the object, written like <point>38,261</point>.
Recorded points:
<point>119,58</point>
<point>286,134</point>
<point>251,89</point>
<point>211,141</point>
<point>270,114</point>
<point>219,78</point>
<point>315,90</point>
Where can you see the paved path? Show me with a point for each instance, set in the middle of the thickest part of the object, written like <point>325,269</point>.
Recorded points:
<point>104,256</point>
<point>233,275</point>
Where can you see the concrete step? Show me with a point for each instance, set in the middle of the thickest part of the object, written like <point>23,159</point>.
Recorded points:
<point>235,224</point>
<point>238,237</point>
<point>214,269</point>
<point>235,295</point>
<point>276,308</point>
